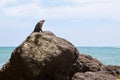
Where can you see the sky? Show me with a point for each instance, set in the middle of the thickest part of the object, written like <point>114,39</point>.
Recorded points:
<point>82,22</point>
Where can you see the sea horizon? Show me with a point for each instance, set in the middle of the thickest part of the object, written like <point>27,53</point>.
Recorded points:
<point>77,46</point>
<point>107,55</point>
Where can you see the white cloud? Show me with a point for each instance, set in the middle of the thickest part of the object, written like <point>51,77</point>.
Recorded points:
<point>81,9</point>
<point>24,10</point>
<point>87,1</point>
<point>4,2</point>
<point>78,9</point>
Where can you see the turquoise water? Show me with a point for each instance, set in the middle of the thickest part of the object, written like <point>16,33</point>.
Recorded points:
<point>107,55</point>
<point>5,53</point>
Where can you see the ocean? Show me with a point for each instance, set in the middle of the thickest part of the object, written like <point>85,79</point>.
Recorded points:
<point>107,55</point>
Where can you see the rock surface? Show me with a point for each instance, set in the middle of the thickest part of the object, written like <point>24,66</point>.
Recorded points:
<point>42,56</point>
<point>113,70</point>
<point>86,63</point>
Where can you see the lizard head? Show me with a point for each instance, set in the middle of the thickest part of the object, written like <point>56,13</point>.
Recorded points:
<point>42,21</point>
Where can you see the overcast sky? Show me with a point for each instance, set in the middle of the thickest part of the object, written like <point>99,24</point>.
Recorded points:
<point>82,22</point>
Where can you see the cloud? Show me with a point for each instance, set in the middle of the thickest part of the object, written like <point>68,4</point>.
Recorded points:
<point>74,9</point>
<point>24,10</point>
<point>5,2</point>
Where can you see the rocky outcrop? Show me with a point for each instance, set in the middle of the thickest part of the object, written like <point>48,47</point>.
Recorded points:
<point>42,56</point>
<point>86,63</point>
<point>93,76</point>
<point>88,68</point>
<point>113,70</point>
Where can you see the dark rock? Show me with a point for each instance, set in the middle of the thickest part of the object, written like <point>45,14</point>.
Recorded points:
<point>86,63</point>
<point>42,56</point>
<point>114,70</point>
<point>93,76</point>
<point>88,68</point>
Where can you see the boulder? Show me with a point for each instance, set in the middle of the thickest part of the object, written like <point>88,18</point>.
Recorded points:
<point>86,63</point>
<point>88,68</point>
<point>100,75</point>
<point>113,70</point>
<point>42,56</point>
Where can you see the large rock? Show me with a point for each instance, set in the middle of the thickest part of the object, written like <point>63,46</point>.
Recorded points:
<point>42,56</point>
